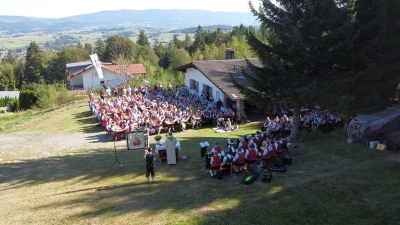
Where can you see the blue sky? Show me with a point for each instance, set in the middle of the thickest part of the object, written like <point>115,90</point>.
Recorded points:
<point>58,9</point>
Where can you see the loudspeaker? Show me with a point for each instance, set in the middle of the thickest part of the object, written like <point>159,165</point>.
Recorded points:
<point>203,151</point>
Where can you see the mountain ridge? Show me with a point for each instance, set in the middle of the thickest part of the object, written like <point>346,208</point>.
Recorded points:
<point>157,18</point>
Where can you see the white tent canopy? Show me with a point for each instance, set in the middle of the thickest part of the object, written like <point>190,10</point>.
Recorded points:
<point>369,123</point>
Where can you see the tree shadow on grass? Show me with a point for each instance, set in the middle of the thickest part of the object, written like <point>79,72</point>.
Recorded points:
<point>184,192</point>
<point>101,137</point>
<point>88,123</point>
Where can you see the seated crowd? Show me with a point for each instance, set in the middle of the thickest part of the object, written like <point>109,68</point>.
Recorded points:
<point>245,152</point>
<point>312,119</point>
<point>158,109</point>
<point>266,145</point>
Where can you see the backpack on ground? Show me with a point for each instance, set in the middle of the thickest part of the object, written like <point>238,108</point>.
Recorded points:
<point>267,176</point>
<point>277,169</point>
<point>278,163</point>
<point>257,168</point>
<point>249,178</point>
<point>220,175</point>
<point>287,160</point>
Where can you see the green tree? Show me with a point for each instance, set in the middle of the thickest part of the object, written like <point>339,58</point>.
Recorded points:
<point>100,49</point>
<point>238,31</point>
<point>142,39</point>
<point>197,55</point>
<point>199,41</point>
<point>177,57</point>
<point>19,70</point>
<point>8,80</point>
<point>299,54</point>
<point>9,58</point>
<point>375,55</point>
<point>187,43</point>
<point>241,47</point>
<point>89,48</point>
<point>178,43</point>
<point>119,47</point>
<point>161,53</point>
<point>214,52</point>
<point>147,54</point>
<point>34,64</point>
<point>58,64</point>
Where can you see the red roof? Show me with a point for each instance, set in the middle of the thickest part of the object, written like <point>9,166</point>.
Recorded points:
<point>129,69</point>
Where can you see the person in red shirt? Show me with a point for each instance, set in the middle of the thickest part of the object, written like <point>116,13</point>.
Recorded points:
<point>251,154</point>
<point>217,149</point>
<point>238,160</point>
<point>215,163</point>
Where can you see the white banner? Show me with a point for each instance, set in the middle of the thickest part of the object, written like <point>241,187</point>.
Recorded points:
<point>96,64</point>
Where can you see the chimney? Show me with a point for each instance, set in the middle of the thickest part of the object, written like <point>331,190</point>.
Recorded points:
<point>229,54</point>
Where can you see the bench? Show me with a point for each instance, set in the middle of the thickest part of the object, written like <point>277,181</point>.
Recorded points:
<point>164,128</point>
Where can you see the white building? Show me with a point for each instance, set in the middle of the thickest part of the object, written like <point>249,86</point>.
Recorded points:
<point>213,77</point>
<point>82,75</point>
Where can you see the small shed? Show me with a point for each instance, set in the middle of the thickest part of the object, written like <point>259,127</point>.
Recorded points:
<point>361,125</point>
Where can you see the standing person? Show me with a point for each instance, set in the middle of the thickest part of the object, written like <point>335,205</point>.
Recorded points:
<point>170,143</point>
<point>116,91</point>
<point>129,90</point>
<point>124,91</point>
<point>91,96</point>
<point>149,156</point>
<point>170,86</point>
<point>108,91</point>
<point>102,94</point>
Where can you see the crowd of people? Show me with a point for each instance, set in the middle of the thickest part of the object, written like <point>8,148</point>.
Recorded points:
<point>246,151</point>
<point>310,120</point>
<point>158,109</point>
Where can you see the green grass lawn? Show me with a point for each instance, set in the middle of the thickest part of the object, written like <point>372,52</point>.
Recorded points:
<point>329,182</point>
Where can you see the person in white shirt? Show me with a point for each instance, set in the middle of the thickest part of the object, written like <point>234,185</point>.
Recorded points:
<point>129,90</point>
<point>108,92</point>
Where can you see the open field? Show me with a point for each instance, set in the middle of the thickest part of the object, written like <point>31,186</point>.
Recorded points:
<point>23,41</point>
<point>87,38</point>
<point>86,35</point>
<point>55,169</point>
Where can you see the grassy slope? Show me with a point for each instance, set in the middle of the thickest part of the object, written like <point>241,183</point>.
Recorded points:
<point>331,182</point>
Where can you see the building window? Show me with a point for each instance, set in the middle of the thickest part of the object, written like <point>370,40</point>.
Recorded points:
<point>194,85</point>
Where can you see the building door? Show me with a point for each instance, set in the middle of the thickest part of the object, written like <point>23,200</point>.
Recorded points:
<point>208,91</point>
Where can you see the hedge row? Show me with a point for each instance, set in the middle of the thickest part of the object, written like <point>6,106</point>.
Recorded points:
<point>27,98</point>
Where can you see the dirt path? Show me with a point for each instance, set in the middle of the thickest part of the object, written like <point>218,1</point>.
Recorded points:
<point>67,130</point>
<point>32,146</point>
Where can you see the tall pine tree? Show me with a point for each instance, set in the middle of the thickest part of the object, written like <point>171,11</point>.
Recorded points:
<point>142,39</point>
<point>34,64</point>
<point>300,51</point>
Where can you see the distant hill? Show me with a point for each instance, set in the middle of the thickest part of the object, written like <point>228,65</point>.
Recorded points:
<point>157,18</point>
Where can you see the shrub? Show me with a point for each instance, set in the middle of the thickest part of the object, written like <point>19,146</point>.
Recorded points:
<point>157,137</point>
<point>27,99</point>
